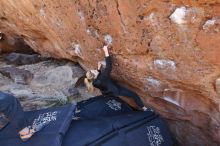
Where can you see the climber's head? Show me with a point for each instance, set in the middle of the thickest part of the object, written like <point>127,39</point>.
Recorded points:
<point>92,74</point>
<point>90,77</point>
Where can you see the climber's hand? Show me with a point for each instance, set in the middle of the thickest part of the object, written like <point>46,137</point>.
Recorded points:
<point>105,49</point>
<point>99,65</point>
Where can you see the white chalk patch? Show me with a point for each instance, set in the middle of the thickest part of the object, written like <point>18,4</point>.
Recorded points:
<point>153,82</point>
<point>208,23</point>
<point>12,25</point>
<point>58,23</point>
<point>178,15</point>
<point>108,39</point>
<point>33,44</point>
<point>169,99</point>
<point>42,12</point>
<point>88,31</point>
<point>96,34</point>
<point>150,17</point>
<point>81,15</point>
<point>77,49</point>
<point>93,32</point>
<point>56,45</point>
<point>164,64</point>
<point>217,85</point>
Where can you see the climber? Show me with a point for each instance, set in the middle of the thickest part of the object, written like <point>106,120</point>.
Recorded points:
<point>11,111</point>
<point>101,79</point>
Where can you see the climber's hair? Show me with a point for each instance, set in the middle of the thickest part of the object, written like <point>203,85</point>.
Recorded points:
<point>90,77</point>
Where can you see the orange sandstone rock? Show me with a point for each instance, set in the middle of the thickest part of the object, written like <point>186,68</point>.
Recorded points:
<point>167,51</point>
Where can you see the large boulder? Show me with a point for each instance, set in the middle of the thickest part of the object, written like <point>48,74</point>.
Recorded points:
<point>44,84</point>
<point>19,76</point>
<point>168,52</point>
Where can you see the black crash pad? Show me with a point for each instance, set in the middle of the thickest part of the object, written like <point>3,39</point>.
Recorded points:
<point>51,135</point>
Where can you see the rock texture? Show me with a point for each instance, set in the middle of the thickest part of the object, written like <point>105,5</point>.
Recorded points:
<point>42,85</point>
<point>167,51</point>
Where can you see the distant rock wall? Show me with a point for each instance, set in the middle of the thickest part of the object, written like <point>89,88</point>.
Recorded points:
<point>167,51</point>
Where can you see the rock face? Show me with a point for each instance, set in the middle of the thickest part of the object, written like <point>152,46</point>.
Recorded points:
<point>168,52</point>
<point>23,59</point>
<point>19,76</point>
<point>43,84</point>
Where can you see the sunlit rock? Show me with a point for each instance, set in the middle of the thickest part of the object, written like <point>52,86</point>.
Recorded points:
<point>154,87</point>
<point>209,23</point>
<point>178,16</point>
<point>173,42</point>
<point>165,64</point>
<point>217,85</point>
